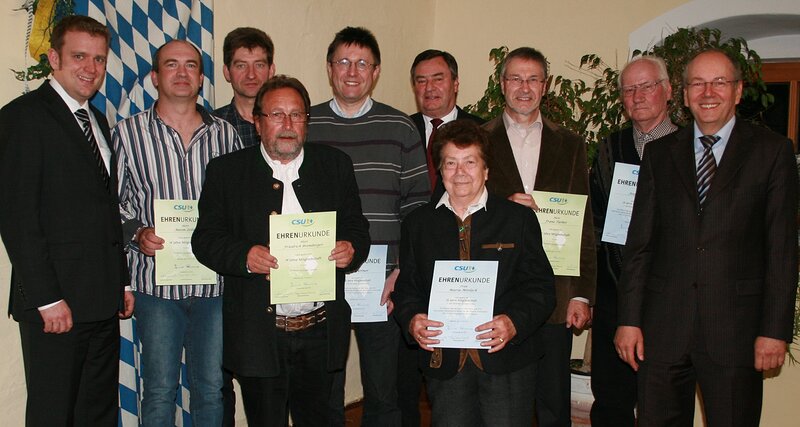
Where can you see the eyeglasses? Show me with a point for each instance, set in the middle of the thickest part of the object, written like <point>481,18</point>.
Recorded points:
<point>344,64</point>
<point>280,117</point>
<point>716,84</point>
<point>517,81</point>
<point>643,88</point>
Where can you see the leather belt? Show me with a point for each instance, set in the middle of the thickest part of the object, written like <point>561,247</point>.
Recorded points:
<point>299,323</point>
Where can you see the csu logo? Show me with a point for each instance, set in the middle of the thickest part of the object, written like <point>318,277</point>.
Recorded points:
<point>559,200</point>
<point>183,208</point>
<point>464,268</point>
<point>303,221</point>
<point>635,171</point>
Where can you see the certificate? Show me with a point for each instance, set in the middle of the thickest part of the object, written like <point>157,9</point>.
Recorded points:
<point>175,221</point>
<point>462,297</point>
<point>561,217</point>
<point>363,288</point>
<point>302,244</point>
<point>620,203</point>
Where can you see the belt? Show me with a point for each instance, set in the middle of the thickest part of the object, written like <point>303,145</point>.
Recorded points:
<point>299,323</point>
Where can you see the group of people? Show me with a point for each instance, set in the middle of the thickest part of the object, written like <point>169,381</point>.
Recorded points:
<point>701,293</point>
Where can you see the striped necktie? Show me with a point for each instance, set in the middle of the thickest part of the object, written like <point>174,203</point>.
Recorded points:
<point>706,168</point>
<point>83,116</point>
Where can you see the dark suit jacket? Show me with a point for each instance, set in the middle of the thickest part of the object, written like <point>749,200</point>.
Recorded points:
<point>59,223</point>
<point>419,121</point>
<point>238,195</point>
<point>562,168</point>
<point>734,263</point>
<point>524,278</point>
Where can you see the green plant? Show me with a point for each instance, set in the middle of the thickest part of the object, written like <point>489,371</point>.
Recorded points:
<point>594,110</point>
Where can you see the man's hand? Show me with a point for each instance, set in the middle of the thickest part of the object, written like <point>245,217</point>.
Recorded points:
<point>342,253</point>
<point>128,301</point>
<point>578,314</point>
<point>500,330</point>
<point>630,345</point>
<point>260,261</point>
<point>388,287</point>
<point>770,353</point>
<point>524,199</point>
<point>57,319</point>
<point>418,328</point>
<point>148,242</point>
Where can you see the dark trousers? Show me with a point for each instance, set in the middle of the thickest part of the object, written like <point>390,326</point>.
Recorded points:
<point>731,396</point>
<point>72,378</point>
<point>228,399</point>
<point>473,398</point>
<point>377,349</point>
<point>409,383</point>
<point>302,388</point>
<point>553,381</point>
<point>613,381</point>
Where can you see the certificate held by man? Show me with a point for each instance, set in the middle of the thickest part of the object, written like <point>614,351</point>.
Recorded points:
<point>302,243</point>
<point>462,297</point>
<point>561,217</point>
<point>176,264</point>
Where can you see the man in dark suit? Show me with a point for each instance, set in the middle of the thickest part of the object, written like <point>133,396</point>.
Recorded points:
<point>707,292</point>
<point>434,77</point>
<point>645,92</point>
<point>59,218</point>
<point>531,153</point>
<point>284,355</point>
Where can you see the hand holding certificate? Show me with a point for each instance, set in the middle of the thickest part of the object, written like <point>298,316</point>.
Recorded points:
<point>462,298</point>
<point>302,244</point>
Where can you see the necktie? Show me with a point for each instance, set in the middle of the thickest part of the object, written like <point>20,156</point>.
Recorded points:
<point>83,116</point>
<point>431,167</point>
<point>706,168</point>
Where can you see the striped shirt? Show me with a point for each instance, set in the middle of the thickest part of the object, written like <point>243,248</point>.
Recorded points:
<point>389,162</point>
<point>152,164</point>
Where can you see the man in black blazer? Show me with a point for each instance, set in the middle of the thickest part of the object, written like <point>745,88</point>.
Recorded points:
<point>59,218</point>
<point>707,292</point>
<point>283,355</point>
<point>645,93</point>
<point>434,77</point>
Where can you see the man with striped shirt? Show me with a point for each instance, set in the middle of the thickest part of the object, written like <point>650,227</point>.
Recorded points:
<point>162,154</point>
<point>391,171</point>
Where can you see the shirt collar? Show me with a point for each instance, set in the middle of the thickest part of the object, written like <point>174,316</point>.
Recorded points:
<point>724,134</point>
<point>72,104</point>
<point>283,172</point>
<point>361,111</point>
<point>522,129</point>
<point>664,128</point>
<point>447,118</point>
<point>475,207</point>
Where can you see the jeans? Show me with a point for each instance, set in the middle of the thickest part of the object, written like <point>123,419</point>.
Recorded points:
<point>165,327</point>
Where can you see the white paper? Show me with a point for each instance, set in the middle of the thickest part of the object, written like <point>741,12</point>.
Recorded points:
<point>363,288</point>
<point>462,297</point>
<point>620,203</point>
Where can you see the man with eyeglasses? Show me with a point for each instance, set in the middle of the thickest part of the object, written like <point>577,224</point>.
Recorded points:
<point>707,292</point>
<point>162,154</point>
<point>392,175</point>
<point>645,91</point>
<point>529,152</point>
<point>283,355</point>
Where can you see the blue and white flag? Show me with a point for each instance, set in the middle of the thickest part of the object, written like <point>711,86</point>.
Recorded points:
<point>138,28</point>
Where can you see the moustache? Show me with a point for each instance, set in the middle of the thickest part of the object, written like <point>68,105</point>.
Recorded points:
<point>287,134</point>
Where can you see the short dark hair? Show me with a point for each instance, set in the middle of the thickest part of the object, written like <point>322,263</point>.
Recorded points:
<point>449,59</point>
<point>527,53</point>
<point>358,36</point>
<point>77,23</point>
<point>461,133</point>
<point>281,81</point>
<point>248,38</point>
<point>157,53</point>
<point>737,68</point>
